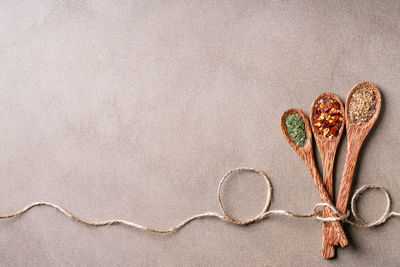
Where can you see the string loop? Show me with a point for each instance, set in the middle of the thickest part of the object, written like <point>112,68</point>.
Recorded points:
<point>267,201</point>
<point>385,216</point>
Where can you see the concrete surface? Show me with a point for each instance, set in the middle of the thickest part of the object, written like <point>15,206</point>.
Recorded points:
<point>135,110</point>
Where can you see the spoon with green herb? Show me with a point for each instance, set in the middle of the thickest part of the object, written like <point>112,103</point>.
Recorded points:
<point>297,131</point>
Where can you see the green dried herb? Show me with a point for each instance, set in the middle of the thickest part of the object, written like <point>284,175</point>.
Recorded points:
<point>296,129</point>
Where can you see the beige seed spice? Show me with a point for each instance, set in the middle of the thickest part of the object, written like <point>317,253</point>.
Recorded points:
<point>362,106</point>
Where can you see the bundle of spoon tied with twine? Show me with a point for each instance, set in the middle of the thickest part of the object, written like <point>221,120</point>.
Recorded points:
<point>328,118</point>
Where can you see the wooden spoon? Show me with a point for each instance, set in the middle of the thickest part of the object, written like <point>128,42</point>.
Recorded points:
<point>355,138</point>
<point>327,150</point>
<point>307,155</point>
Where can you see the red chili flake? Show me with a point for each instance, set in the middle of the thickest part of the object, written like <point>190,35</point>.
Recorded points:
<point>327,117</point>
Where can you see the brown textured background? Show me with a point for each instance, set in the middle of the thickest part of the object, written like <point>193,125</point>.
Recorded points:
<point>135,109</point>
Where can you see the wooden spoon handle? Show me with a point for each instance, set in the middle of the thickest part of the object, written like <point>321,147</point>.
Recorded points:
<point>323,194</point>
<point>328,250</point>
<point>353,149</point>
<point>336,225</point>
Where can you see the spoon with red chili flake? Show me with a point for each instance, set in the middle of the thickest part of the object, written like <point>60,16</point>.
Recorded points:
<point>327,124</point>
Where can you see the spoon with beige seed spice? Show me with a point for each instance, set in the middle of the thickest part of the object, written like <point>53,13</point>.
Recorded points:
<point>362,109</point>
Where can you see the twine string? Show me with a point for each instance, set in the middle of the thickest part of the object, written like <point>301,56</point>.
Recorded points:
<point>225,216</point>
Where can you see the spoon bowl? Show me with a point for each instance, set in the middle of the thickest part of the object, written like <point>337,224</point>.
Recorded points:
<point>320,139</point>
<point>300,150</point>
<point>366,127</point>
